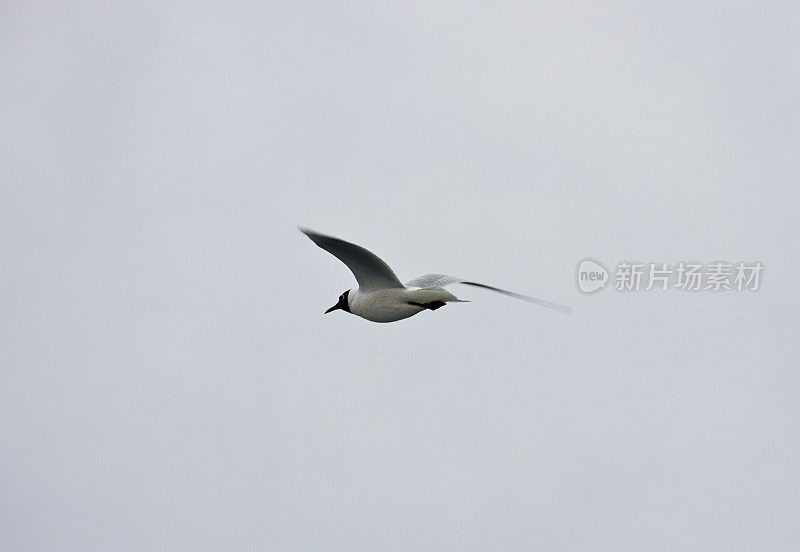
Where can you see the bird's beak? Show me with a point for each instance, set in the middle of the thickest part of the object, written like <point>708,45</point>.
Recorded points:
<point>340,305</point>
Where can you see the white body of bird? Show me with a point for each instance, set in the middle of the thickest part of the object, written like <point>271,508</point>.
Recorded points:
<point>390,305</point>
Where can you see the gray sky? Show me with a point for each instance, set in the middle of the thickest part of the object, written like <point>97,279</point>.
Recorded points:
<point>170,382</point>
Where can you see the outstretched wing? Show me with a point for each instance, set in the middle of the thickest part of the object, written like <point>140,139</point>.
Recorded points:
<point>433,281</point>
<point>370,271</point>
<point>441,280</point>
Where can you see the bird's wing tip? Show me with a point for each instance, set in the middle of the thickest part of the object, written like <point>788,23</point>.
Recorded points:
<point>559,308</point>
<point>309,232</point>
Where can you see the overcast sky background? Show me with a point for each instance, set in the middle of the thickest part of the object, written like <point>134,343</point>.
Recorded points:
<point>169,381</point>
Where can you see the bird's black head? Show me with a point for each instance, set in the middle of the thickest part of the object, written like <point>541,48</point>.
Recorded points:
<point>342,304</point>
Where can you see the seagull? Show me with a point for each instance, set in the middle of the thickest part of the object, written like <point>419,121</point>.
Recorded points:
<point>381,297</point>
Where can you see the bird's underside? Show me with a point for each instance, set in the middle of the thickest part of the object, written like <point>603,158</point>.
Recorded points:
<point>390,305</point>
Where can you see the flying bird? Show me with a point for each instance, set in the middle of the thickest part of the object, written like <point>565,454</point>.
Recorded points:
<point>380,297</point>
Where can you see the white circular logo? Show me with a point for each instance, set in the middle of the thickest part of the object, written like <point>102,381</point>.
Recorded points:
<point>592,276</point>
